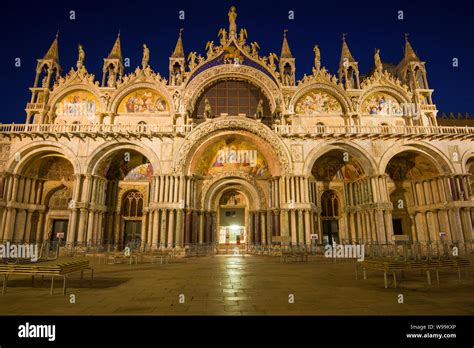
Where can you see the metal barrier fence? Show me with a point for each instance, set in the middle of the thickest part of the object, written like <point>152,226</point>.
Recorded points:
<point>50,250</point>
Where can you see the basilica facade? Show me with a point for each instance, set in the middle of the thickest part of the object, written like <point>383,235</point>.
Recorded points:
<point>232,149</point>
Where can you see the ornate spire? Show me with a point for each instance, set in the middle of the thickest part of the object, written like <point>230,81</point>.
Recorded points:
<point>345,52</point>
<point>53,52</point>
<point>179,50</point>
<point>285,48</point>
<point>116,52</point>
<point>409,52</point>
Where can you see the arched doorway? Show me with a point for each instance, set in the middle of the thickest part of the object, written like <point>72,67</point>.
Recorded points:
<point>233,219</point>
<point>46,180</point>
<point>330,217</point>
<point>413,185</point>
<point>124,178</point>
<point>342,190</point>
<point>132,215</point>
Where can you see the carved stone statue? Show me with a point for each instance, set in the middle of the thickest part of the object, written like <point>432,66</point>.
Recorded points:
<point>317,57</point>
<point>255,48</point>
<point>210,48</point>
<point>177,101</point>
<point>192,60</point>
<point>146,56</point>
<point>111,80</point>
<point>207,109</point>
<point>223,35</point>
<point>177,77</point>
<point>81,57</point>
<point>377,61</point>
<point>259,113</point>
<point>231,200</point>
<point>242,36</point>
<point>278,111</point>
<point>105,101</point>
<point>271,59</point>
<point>232,22</point>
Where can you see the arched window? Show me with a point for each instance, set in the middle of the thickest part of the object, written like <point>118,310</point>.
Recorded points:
<point>384,127</point>
<point>141,126</point>
<point>330,205</point>
<point>232,98</point>
<point>132,205</point>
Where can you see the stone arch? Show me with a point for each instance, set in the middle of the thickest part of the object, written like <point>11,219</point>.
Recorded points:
<point>201,135</point>
<point>129,88</point>
<point>439,159</point>
<point>230,71</point>
<point>31,151</point>
<point>219,184</point>
<point>465,158</point>
<point>104,151</point>
<point>363,157</point>
<point>345,103</point>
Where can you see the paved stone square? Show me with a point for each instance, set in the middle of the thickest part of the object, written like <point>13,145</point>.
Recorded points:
<point>237,285</point>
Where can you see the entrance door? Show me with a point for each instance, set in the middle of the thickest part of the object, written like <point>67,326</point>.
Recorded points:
<point>232,226</point>
<point>59,226</point>
<point>132,234</point>
<point>330,231</point>
<point>397,227</point>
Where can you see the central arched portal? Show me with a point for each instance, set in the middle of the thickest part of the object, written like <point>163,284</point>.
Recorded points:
<point>238,204</point>
<point>232,218</point>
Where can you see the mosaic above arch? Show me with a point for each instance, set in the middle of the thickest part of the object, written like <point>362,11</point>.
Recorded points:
<point>410,166</point>
<point>232,154</point>
<point>318,102</point>
<point>380,103</point>
<point>77,103</point>
<point>333,168</point>
<point>143,101</point>
<point>127,166</point>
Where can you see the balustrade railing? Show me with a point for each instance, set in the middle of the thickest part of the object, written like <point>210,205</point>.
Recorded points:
<point>138,129</point>
<point>383,129</point>
<point>94,128</point>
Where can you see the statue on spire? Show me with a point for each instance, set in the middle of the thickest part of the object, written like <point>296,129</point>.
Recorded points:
<point>377,61</point>
<point>146,56</point>
<point>317,57</point>
<point>81,57</point>
<point>232,22</point>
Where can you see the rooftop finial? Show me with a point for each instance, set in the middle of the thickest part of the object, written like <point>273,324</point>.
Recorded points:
<point>285,49</point>
<point>232,22</point>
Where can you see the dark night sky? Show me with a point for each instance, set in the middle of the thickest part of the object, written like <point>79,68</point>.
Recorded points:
<point>439,31</point>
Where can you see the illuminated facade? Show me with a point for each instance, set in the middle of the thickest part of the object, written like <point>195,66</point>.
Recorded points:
<point>231,149</point>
